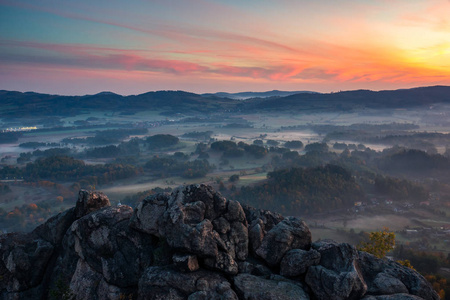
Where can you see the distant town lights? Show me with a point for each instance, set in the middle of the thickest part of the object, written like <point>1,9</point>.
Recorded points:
<point>20,129</point>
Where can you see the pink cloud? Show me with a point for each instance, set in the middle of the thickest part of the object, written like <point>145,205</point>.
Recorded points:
<point>86,56</point>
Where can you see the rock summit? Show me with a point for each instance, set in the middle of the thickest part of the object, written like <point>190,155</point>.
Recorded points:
<point>192,244</point>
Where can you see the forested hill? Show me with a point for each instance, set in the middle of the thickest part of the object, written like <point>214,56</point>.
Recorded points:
<point>347,100</point>
<point>17,104</point>
<point>301,191</point>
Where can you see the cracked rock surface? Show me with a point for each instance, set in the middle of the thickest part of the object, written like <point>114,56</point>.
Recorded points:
<point>192,244</point>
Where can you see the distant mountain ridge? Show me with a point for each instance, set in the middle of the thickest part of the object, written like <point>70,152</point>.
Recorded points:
<point>18,104</point>
<point>349,100</point>
<point>248,95</point>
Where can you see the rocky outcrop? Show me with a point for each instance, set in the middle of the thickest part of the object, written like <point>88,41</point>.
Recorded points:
<point>337,276</point>
<point>192,244</point>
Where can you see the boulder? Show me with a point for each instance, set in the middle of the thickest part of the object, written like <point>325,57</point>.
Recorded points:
<point>196,220</point>
<point>259,222</point>
<point>385,284</point>
<point>393,297</point>
<point>167,283</point>
<point>23,261</point>
<point>338,274</point>
<point>110,247</point>
<point>290,233</point>
<point>251,287</point>
<point>55,228</point>
<point>148,213</point>
<point>386,277</point>
<point>296,262</point>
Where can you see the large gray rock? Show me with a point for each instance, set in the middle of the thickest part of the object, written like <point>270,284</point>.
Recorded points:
<point>23,261</point>
<point>197,220</point>
<point>338,275</point>
<point>25,257</point>
<point>268,218</point>
<point>385,284</point>
<point>386,277</point>
<point>110,247</point>
<point>251,287</point>
<point>54,229</point>
<point>166,283</point>
<point>290,233</point>
<point>148,214</point>
<point>193,244</point>
<point>259,223</point>
<point>297,262</point>
<point>392,297</point>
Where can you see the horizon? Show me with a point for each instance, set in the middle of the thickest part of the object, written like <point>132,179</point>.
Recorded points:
<point>79,48</point>
<point>238,92</point>
<point>232,93</point>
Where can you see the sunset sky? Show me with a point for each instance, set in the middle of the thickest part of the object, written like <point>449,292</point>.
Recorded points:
<point>129,47</point>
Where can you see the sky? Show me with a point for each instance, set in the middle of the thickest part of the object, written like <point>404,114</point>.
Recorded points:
<point>77,47</point>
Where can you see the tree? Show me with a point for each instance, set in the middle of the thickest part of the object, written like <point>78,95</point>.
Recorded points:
<point>319,147</point>
<point>234,178</point>
<point>161,141</point>
<point>380,242</point>
<point>294,144</point>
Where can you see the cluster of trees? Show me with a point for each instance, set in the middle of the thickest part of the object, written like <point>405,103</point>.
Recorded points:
<point>106,137</point>
<point>27,156</point>
<point>303,190</point>
<point>171,165</point>
<point>27,216</point>
<point>440,285</point>
<point>363,127</point>
<point>232,149</point>
<point>410,139</point>
<point>63,168</point>
<point>400,189</point>
<point>124,149</point>
<point>423,262</point>
<point>158,141</point>
<point>38,144</point>
<point>205,135</point>
<point>294,144</point>
<point>344,146</point>
<point>316,147</point>
<point>130,148</point>
<point>413,161</point>
<point>238,125</point>
<point>10,137</point>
